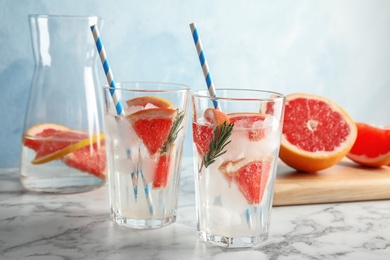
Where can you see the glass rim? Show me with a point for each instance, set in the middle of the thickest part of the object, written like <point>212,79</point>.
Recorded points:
<point>278,95</point>
<point>176,86</point>
<point>64,16</point>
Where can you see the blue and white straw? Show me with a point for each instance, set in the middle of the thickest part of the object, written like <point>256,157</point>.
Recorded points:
<point>107,69</point>
<point>203,63</point>
<point>118,105</point>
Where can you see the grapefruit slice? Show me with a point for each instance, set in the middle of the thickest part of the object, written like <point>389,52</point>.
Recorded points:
<point>89,158</point>
<point>204,133</point>
<point>372,146</point>
<point>144,100</point>
<point>248,121</point>
<point>35,136</point>
<point>56,149</point>
<point>152,126</point>
<point>164,168</point>
<point>317,133</point>
<point>251,177</point>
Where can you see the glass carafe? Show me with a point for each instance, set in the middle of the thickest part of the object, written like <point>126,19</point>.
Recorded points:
<point>63,144</point>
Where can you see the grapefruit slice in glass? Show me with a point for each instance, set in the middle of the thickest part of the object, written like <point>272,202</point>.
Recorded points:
<point>152,126</point>
<point>317,133</point>
<point>372,146</point>
<point>251,177</point>
<point>246,122</point>
<point>203,133</point>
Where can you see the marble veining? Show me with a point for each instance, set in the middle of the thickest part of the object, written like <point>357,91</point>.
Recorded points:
<point>77,226</point>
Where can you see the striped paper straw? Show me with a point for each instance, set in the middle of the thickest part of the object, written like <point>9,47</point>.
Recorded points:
<point>203,63</point>
<point>107,69</point>
<point>118,105</point>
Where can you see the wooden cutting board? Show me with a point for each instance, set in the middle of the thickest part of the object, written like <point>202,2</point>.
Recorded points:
<point>343,182</point>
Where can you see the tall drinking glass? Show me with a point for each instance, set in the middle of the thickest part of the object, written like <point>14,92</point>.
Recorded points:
<point>145,148</point>
<point>235,159</point>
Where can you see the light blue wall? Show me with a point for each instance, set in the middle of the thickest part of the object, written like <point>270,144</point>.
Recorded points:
<point>336,48</point>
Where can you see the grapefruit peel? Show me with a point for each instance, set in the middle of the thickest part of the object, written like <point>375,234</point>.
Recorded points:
<point>313,161</point>
<point>144,100</point>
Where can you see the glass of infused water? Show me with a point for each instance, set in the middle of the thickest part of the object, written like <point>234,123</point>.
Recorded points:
<point>236,139</point>
<point>145,144</point>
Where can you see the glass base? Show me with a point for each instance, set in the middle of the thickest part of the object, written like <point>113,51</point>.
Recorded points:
<point>232,242</point>
<point>143,223</point>
<point>62,185</point>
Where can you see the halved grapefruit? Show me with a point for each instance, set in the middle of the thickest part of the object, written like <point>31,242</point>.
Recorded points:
<point>372,145</point>
<point>317,133</point>
<point>152,126</point>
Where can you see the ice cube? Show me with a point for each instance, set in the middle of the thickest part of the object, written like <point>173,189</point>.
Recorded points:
<point>233,200</point>
<point>124,165</point>
<point>149,105</point>
<point>203,121</point>
<point>270,124</point>
<point>222,217</point>
<point>148,168</point>
<point>133,109</point>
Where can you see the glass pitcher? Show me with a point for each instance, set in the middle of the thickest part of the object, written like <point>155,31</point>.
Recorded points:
<point>63,144</point>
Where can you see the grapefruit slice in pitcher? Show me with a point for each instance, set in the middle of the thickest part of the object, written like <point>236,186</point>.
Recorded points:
<point>372,146</point>
<point>152,126</point>
<point>90,158</point>
<point>317,133</point>
<point>35,136</point>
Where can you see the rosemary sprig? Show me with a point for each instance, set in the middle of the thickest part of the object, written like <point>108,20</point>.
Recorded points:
<point>218,143</point>
<point>175,129</point>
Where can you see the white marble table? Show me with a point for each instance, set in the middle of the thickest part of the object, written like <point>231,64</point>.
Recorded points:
<point>77,226</point>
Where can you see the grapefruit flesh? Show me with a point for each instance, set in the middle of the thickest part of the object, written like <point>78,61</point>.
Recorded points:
<point>251,177</point>
<point>372,146</point>
<point>203,133</point>
<point>152,126</point>
<point>90,158</point>
<point>317,133</point>
<point>164,169</point>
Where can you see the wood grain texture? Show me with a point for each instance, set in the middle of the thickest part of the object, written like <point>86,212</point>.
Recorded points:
<point>343,182</point>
